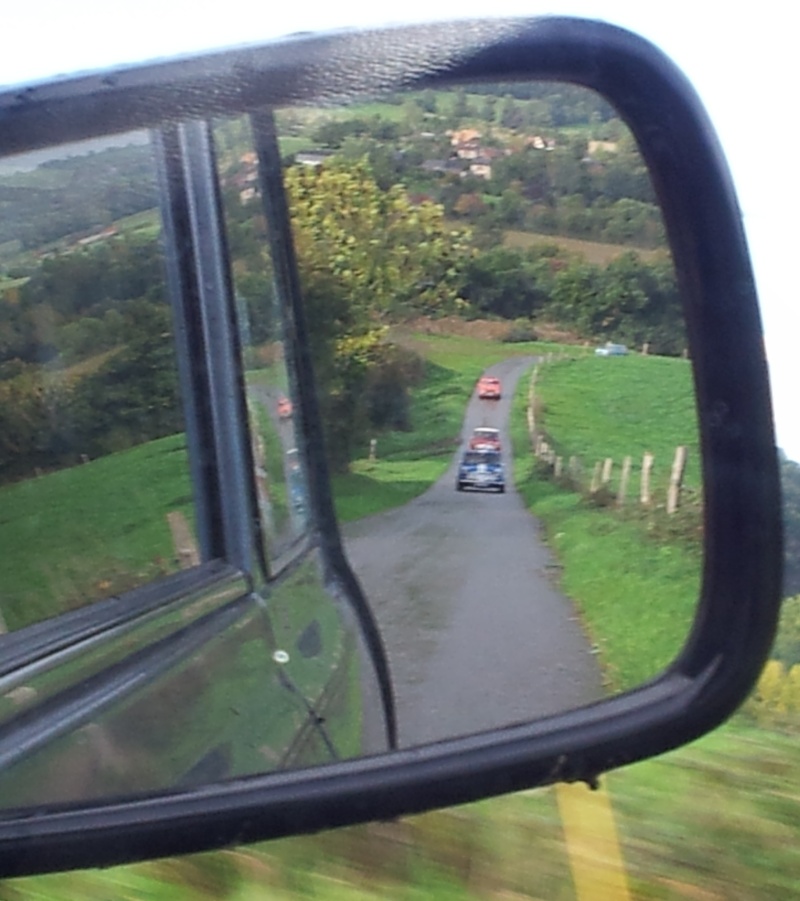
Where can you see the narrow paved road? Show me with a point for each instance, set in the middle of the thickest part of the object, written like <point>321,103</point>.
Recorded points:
<point>477,634</point>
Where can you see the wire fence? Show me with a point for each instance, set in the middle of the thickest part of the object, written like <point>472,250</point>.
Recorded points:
<point>608,481</point>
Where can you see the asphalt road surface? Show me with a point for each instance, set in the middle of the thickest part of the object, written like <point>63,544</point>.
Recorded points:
<point>477,633</point>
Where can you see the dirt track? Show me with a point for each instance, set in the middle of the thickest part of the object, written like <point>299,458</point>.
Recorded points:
<point>477,634</point>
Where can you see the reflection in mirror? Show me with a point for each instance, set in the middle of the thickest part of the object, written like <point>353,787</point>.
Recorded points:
<point>173,672</point>
<point>213,685</point>
<point>280,481</point>
<point>94,483</point>
<point>503,379</point>
<point>509,421</point>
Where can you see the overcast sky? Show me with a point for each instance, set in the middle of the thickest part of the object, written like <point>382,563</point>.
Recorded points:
<point>737,56</point>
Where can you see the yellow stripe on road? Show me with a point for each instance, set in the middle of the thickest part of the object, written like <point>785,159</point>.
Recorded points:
<point>592,843</point>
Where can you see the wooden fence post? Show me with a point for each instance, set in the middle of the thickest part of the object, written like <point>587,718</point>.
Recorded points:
<point>182,540</point>
<point>608,465</point>
<point>557,467</point>
<point>623,480</point>
<point>676,479</point>
<point>647,467</point>
<point>532,408</point>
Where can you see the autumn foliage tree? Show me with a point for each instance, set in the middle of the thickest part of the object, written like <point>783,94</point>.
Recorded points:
<point>367,258</point>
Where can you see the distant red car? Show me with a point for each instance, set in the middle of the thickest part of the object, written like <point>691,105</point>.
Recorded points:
<point>489,388</point>
<point>485,439</point>
<point>284,407</point>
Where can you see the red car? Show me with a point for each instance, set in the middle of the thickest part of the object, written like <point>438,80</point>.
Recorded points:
<point>284,408</point>
<point>489,388</point>
<point>485,439</point>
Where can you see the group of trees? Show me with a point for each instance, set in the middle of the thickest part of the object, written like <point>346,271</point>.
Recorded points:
<point>367,257</point>
<point>86,358</point>
<point>74,194</point>
<point>51,418</point>
<point>87,364</point>
<point>582,177</point>
<point>626,300</point>
<point>73,304</point>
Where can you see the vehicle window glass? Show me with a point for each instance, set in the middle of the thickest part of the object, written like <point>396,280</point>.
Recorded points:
<point>94,483</point>
<point>279,476</point>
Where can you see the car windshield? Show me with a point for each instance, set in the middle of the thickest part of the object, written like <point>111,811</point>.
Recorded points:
<point>491,459</point>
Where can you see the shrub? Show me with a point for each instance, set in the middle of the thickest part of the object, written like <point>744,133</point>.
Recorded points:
<point>522,330</point>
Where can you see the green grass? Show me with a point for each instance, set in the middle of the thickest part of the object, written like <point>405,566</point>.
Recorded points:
<point>147,220</point>
<point>470,356</point>
<point>598,253</point>
<point>598,407</point>
<point>718,816</point>
<point>409,462</point>
<point>634,575</point>
<point>82,533</point>
<point>290,144</point>
<point>636,595</point>
<point>714,820</point>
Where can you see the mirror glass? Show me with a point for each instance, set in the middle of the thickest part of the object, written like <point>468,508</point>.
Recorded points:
<point>508,405</point>
<point>509,425</point>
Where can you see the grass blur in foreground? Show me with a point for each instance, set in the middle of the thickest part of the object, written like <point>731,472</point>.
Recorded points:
<point>715,820</point>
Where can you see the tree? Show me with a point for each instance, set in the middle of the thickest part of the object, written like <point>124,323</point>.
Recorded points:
<point>390,257</point>
<point>133,397</point>
<point>505,282</point>
<point>367,257</point>
<point>511,113</point>
<point>628,300</point>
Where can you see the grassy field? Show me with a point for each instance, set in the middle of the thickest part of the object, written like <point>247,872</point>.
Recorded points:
<point>635,572</point>
<point>290,144</point>
<point>148,221</point>
<point>595,252</point>
<point>87,532</point>
<point>599,407</point>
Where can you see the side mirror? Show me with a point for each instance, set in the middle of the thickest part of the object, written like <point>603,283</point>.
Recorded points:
<point>250,694</point>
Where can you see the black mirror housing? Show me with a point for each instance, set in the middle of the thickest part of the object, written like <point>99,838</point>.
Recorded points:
<point>741,585</point>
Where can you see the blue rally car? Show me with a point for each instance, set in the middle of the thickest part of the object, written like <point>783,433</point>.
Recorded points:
<point>481,469</point>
